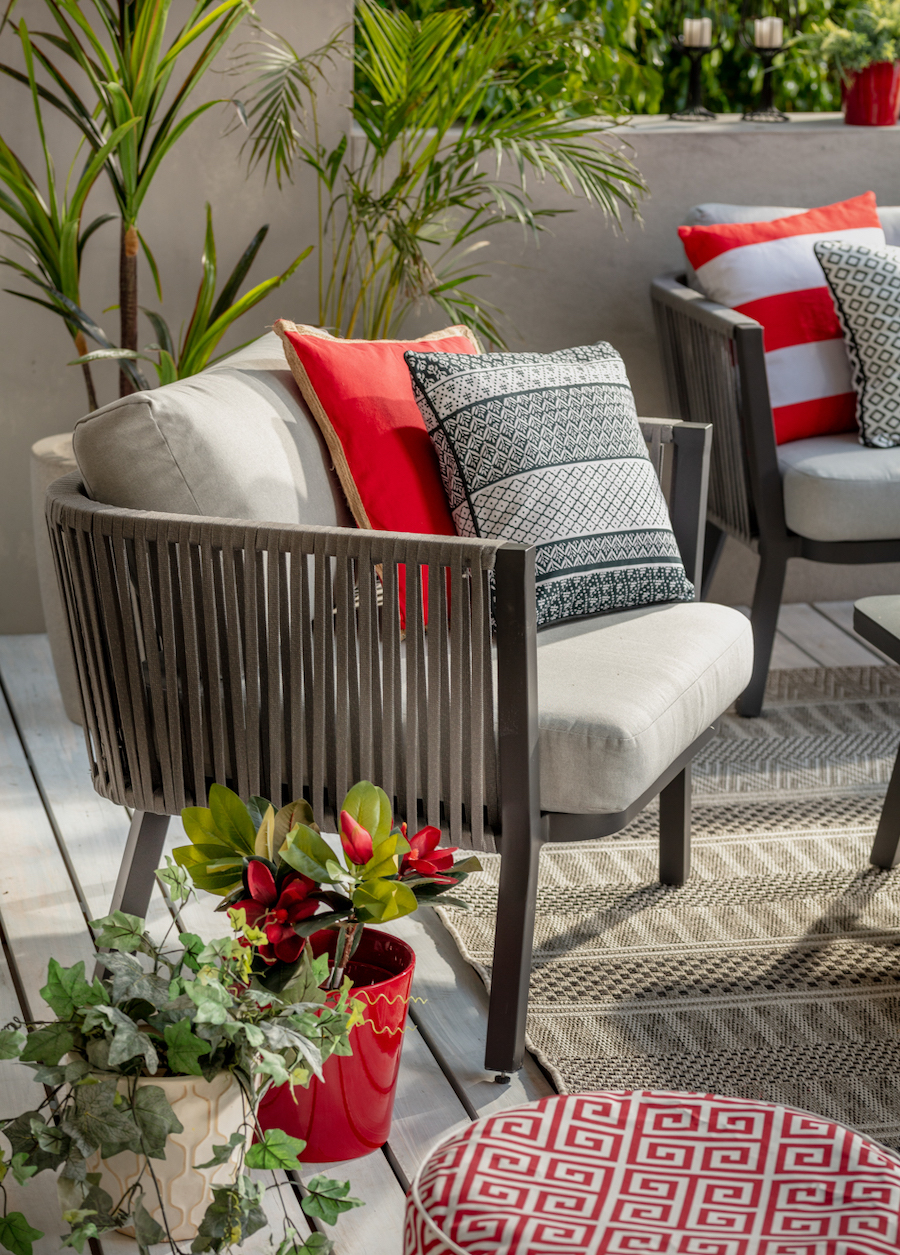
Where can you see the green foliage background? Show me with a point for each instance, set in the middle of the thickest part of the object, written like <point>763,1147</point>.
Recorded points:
<point>615,54</point>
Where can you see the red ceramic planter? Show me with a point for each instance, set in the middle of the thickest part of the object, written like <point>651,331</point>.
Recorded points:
<point>349,1113</point>
<point>872,96</point>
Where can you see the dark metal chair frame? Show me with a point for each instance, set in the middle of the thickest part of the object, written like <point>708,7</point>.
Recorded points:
<point>715,372</point>
<point>261,656</point>
<point>877,620</point>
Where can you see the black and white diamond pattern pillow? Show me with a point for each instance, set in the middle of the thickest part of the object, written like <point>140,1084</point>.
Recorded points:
<point>865,287</point>
<point>545,449</point>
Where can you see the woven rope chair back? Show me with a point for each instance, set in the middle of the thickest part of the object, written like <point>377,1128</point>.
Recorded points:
<point>282,661</point>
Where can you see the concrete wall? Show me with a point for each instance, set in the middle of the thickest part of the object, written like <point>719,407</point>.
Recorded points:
<point>585,282</point>
<point>39,394</point>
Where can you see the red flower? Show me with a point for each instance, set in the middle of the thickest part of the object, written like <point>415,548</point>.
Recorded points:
<point>424,857</point>
<point>356,841</point>
<point>276,911</point>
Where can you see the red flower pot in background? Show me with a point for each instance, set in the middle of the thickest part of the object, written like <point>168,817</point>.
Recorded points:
<point>872,95</point>
<point>349,1114</point>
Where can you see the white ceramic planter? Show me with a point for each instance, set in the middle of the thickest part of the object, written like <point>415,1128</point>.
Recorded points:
<point>210,1112</point>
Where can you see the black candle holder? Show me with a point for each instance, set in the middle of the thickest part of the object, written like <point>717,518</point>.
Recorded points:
<point>695,110</point>
<point>766,111</point>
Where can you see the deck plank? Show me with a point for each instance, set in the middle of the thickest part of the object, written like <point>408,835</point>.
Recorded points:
<point>426,1107</point>
<point>376,1228</point>
<point>454,1015</point>
<point>40,913</point>
<point>786,656</point>
<point>94,828</point>
<point>817,635</point>
<point>841,613</point>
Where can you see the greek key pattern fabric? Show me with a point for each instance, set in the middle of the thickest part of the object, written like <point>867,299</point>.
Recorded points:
<point>654,1172</point>
<point>865,288</point>
<point>545,449</point>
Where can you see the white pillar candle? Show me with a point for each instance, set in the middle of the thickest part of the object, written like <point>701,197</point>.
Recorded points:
<point>768,32</point>
<point>697,32</point>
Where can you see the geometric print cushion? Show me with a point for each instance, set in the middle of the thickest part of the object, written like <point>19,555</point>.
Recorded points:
<point>865,287</point>
<point>545,449</point>
<point>630,1173</point>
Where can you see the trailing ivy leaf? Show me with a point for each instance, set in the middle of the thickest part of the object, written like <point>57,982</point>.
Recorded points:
<point>51,1138</point>
<point>42,1075</point>
<point>276,1150</point>
<point>146,1230</point>
<point>23,1141</point>
<point>102,1124</point>
<point>192,947</point>
<point>184,1048</point>
<point>128,1041</point>
<point>315,1244</point>
<point>22,1170</point>
<point>17,1235</point>
<point>48,1044</point>
<point>270,1064</point>
<point>327,1199</point>
<point>176,880</point>
<point>118,931</point>
<point>211,1000</point>
<point>155,1118</point>
<point>66,989</point>
<point>11,1042</point>
<point>233,1215</point>
<point>221,1154</point>
<point>81,1235</point>
<point>130,980</point>
<point>305,985</point>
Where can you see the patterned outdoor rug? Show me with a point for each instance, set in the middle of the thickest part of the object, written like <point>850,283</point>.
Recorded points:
<point>774,973</point>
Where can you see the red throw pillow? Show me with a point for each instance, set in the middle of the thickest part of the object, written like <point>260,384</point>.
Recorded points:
<point>360,394</point>
<point>769,271</point>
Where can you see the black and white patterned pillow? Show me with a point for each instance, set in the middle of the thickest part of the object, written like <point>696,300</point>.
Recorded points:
<point>865,287</point>
<point>545,449</point>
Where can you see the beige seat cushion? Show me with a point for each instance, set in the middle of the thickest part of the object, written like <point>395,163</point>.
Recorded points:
<point>235,441</point>
<point>837,489</point>
<point>621,696</point>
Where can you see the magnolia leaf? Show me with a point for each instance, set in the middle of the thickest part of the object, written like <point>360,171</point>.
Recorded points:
<point>371,808</point>
<point>257,807</point>
<point>380,900</point>
<point>465,866</point>
<point>264,844</point>
<point>21,1170</point>
<point>17,1235</point>
<point>385,860</point>
<point>307,853</point>
<point>327,1199</point>
<point>11,1042</point>
<point>221,1154</point>
<point>155,1119</point>
<point>48,1044</point>
<point>184,1048</point>
<point>146,1230</point>
<point>299,812</point>
<point>118,931</point>
<point>277,1149</point>
<point>232,819</point>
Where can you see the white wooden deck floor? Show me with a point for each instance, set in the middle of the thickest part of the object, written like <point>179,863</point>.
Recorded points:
<point>61,849</point>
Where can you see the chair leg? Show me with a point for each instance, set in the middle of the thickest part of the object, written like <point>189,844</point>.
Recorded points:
<point>143,854</point>
<point>505,1047</point>
<point>712,552</point>
<point>886,848</point>
<point>764,617</point>
<point>675,829</point>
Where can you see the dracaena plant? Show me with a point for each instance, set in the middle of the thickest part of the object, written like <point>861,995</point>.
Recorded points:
<point>190,1010</point>
<point>281,879</point>
<point>210,319</point>
<point>128,63</point>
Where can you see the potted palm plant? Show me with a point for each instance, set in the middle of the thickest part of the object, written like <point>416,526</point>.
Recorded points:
<point>866,52</point>
<point>150,1079</point>
<point>282,879</point>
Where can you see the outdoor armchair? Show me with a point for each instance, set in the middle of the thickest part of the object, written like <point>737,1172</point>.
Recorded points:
<point>826,498</point>
<point>270,657</point>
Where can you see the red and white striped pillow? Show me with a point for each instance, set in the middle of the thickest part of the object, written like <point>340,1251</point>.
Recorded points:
<point>768,270</point>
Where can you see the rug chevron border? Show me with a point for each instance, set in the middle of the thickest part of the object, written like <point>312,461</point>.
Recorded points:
<point>774,973</point>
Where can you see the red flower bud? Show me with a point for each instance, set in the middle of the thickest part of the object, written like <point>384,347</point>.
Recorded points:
<point>356,841</point>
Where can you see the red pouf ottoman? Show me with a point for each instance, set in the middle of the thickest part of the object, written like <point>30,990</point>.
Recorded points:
<point>660,1173</point>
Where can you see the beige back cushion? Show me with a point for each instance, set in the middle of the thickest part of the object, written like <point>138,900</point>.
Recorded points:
<point>235,441</point>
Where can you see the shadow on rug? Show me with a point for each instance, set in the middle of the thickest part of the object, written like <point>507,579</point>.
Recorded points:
<point>774,973</point>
